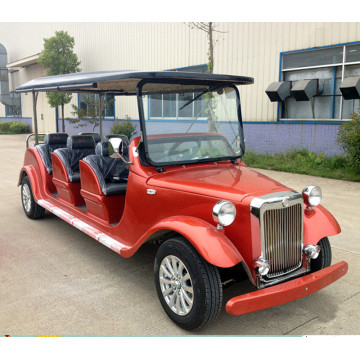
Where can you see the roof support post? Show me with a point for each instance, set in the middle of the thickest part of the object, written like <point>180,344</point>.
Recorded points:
<point>100,115</point>
<point>35,96</point>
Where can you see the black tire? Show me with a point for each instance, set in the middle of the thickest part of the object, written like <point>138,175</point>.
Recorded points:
<point>324,258</point>
<point>31,208</point>
<point>205,282</point>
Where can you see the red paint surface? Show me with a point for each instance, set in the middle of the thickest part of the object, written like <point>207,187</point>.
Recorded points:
<point>185,196</point>
<point>287,291</point>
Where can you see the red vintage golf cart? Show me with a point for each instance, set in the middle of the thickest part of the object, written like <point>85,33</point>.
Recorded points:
<point>182,183</point>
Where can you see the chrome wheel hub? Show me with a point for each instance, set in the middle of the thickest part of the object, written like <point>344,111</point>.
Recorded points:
<point>176,285</point>
<point>26,197</point>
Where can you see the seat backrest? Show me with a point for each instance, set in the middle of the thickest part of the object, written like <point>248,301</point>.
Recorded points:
<point>125,150</point>
<point>52,141</point>
<point>77,147</point>
<point>107,169</point>
<point>102,148</point>
<point>96,136</point>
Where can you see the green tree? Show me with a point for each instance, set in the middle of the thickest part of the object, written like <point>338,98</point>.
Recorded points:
<point>90,112</point>
<point>209,28</point>
<point>124,128</point>
<point>348,137</point>
<point>58,58</point>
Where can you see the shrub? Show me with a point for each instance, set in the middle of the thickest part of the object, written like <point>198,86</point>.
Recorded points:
<point>5,126</point>
<point>348,138</point>
<point>125,128</point>
<point>18,128</point>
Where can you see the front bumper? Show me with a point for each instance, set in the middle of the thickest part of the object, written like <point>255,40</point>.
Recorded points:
<point>286,292</point>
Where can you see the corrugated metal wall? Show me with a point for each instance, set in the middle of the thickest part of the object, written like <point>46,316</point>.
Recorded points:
<point>251,49</point>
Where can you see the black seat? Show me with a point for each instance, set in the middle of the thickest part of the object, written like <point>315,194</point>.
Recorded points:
<point>96,136</point>
<point>77,147</point>
<point>52,141</point>
<point>112,173</point>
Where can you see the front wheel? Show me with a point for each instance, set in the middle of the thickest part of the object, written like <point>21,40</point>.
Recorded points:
<point>31,208</point>
<point>324,258</point>
<point>189,288</point>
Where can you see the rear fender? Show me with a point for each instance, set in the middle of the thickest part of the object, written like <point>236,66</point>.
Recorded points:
<point>211,243</point>
<point>319,223</point>
<point>29,170</point>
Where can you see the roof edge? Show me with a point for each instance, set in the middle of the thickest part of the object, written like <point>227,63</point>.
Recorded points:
<point>96,81</point>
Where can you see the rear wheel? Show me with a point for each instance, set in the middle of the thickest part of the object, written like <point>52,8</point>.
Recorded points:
<point>189,288</point>
<point>31,208</point>
<point>324,258</point>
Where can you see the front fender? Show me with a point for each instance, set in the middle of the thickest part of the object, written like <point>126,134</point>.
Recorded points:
<point>319,223</point>
<point>211,243</point>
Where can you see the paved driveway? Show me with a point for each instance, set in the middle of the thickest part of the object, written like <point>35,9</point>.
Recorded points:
<point>56,280</point>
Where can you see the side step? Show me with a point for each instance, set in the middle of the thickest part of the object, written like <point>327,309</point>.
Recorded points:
<point>84,227</point>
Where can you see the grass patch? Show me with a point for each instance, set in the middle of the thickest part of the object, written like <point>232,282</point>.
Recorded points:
<point>305,162</point>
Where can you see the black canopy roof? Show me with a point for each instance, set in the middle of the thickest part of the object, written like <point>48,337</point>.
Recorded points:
<point>120,81</point>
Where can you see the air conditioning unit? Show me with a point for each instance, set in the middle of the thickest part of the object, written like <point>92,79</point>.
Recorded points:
<point>278,91</point>
<point>304,90</point>
<point>350,88</point>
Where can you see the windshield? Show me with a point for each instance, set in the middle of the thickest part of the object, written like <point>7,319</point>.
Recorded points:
<point>191,123</point>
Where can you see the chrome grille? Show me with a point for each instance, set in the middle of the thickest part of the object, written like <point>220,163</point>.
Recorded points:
<point>280,226</point>
<point>282,239</point>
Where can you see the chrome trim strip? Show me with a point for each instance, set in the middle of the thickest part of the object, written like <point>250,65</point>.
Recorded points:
<point>262,283</point>
<point>273,198</point>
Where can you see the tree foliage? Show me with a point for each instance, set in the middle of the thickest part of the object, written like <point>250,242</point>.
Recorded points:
<point>89,114</point>
<point>58,58</point>
<point>209,28</point>
<point>348,138</point>
<point>124,128</point>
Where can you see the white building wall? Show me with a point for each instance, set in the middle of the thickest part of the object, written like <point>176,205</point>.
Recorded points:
<point>250,49</point>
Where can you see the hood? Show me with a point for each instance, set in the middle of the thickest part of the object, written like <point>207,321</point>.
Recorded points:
<point>224,180</point>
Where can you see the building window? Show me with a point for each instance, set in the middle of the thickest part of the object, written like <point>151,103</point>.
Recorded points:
<point>169,106</point>
<point>330,66</point>
<point>87,102</point>
<point>12,111</point>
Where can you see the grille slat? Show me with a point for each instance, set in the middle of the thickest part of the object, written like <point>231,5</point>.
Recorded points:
<point>282,231</point>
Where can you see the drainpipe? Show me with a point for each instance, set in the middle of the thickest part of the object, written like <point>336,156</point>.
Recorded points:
<point>6,98</point>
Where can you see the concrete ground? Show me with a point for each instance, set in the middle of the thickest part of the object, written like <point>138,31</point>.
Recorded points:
<point>56,280</point>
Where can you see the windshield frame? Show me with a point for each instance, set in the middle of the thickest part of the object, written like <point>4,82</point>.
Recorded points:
<point>144,137</point>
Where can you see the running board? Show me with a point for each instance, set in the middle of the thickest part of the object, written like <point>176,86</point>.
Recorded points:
<point>84,227</point>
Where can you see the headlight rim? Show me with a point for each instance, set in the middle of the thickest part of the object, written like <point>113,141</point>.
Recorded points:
<point>307,196</point>
<point>216,212</point>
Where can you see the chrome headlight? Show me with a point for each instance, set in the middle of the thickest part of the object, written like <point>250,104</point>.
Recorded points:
<point>224,212</point>
<point>262,266</point>
<point>312,251</point>
<point>312,195</point>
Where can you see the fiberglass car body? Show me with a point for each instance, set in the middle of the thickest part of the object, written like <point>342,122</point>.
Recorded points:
<point>182,183</point>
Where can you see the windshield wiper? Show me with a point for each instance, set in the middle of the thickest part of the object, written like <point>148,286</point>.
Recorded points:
<point>201,94</point>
